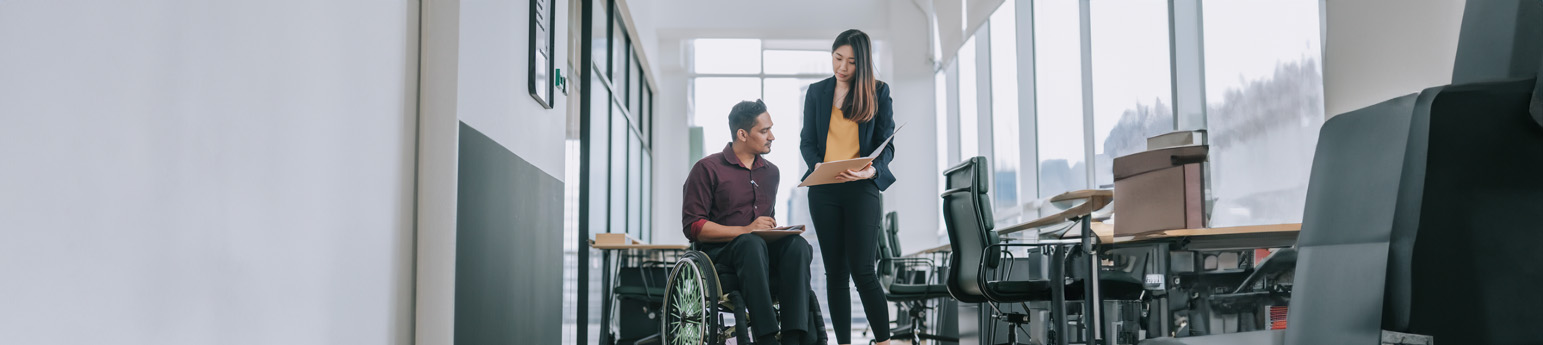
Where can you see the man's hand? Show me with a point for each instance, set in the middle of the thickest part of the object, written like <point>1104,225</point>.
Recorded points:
<point>717,233</point>
<point>761,223</point>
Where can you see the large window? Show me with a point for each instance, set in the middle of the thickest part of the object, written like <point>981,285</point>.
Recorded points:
<point>784,98</point>
<point>726,56</point>
<point>1058,84</point>
<point>1004,109</point>
<point>969,102</point>
<point>727,71</point>
<point>711,100</point>
<point>611,191</point>
<point>1264,107</point>
<point>1131,80</point>
<point>618,173</point>
<point>1262,87</point>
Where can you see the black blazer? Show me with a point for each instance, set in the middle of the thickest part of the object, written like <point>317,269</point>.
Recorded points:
<point>817,105</point>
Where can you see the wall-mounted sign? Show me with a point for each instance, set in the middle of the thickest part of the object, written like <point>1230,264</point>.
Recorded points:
<point>542,16</point>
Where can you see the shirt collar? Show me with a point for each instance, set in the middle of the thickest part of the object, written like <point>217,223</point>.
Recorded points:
<point>733,159</point>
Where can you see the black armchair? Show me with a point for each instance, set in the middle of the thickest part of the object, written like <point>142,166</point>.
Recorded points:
<point>981,266</point>
<point>910,282</point>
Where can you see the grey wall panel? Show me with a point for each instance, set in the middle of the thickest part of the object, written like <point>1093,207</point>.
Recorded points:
<point>508,272</point>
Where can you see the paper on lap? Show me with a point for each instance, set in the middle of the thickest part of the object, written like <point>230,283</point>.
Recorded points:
<point>774,234</point>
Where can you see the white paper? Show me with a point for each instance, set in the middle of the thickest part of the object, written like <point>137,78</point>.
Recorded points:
<point>885,145</point>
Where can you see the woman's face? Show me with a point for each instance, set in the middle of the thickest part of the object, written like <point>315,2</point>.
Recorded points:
<point>843,63</point>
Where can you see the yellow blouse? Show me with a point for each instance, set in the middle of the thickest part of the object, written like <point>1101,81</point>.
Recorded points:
<point>841,139</point>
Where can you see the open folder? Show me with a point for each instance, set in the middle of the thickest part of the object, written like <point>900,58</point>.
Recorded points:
<point>826,172</point>
<point>777,233</point>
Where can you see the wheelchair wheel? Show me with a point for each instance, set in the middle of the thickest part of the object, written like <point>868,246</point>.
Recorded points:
<point>691,303</point>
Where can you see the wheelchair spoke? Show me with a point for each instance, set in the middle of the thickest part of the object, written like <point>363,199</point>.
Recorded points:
<point>686,321</point>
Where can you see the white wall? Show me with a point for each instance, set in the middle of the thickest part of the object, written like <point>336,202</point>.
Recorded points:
<point>492,95</point>
<point>1381,49</point>
<point>438,169</point>
<point>185,172</point>
<point>915,192</point>
<point>671,139</point>
<point>474,67</point>
<point>762,19</point>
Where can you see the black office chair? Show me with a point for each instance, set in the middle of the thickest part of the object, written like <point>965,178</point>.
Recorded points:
<point>909,282</point>
<point>639,300</point>
<point>968,219</point>
<point>978,273</point>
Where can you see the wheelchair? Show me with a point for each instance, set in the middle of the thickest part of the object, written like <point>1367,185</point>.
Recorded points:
<point>697,298</point>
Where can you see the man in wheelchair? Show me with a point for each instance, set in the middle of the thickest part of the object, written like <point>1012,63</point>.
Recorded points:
<point>726,196</point>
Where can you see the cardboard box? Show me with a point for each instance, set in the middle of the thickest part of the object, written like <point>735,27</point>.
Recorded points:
<point>1160,189</point>
<point>613,239</point>
<point>1179,138</point>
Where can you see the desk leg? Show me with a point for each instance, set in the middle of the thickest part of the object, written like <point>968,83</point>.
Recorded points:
<point>1092,320</point>
<point>1160,301</point>
<point>1058,294</point>
<point>606,271</point>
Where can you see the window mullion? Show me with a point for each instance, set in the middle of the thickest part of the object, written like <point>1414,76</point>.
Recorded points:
<point>1086,35</point>
<point>1186,41</point>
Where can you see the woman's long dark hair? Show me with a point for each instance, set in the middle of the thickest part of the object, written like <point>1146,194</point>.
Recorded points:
<point>862,100</point>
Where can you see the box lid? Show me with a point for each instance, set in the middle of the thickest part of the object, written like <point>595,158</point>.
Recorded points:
<point>1147,161</point>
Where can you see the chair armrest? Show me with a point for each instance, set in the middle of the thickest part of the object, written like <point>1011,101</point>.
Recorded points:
<point>927,261</point>
<point>903,264</point>
<point>1006,273</point>
<point>1278,262</point>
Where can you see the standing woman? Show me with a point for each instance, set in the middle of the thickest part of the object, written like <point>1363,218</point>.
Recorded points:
<point>848,116</point>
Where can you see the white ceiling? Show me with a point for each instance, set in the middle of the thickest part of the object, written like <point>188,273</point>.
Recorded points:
<point>763,19</point>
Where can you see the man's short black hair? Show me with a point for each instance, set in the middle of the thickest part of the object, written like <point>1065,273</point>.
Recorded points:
<point>743,117</point>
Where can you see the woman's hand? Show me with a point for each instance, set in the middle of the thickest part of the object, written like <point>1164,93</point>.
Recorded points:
<point>854,175</point>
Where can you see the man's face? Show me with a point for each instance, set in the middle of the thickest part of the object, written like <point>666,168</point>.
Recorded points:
<point>759,138</point>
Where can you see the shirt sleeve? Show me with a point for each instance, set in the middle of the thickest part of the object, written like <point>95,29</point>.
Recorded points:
<point>696,196</point>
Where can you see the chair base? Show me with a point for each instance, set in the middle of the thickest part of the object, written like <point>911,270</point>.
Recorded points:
<point>1017,320</point>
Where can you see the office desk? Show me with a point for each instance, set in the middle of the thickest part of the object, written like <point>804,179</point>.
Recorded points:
<point>637,246</point>
<point>1234,237</point>
<point>1094,200</point>
<point>1160,243</point>
<point>1163,244</point>
<point>613,254</point>
<point>938,249</point>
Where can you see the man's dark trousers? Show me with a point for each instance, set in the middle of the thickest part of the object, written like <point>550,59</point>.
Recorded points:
<point>780,267</point>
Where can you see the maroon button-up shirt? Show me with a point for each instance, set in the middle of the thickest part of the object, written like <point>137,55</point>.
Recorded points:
<point>721,190</point>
